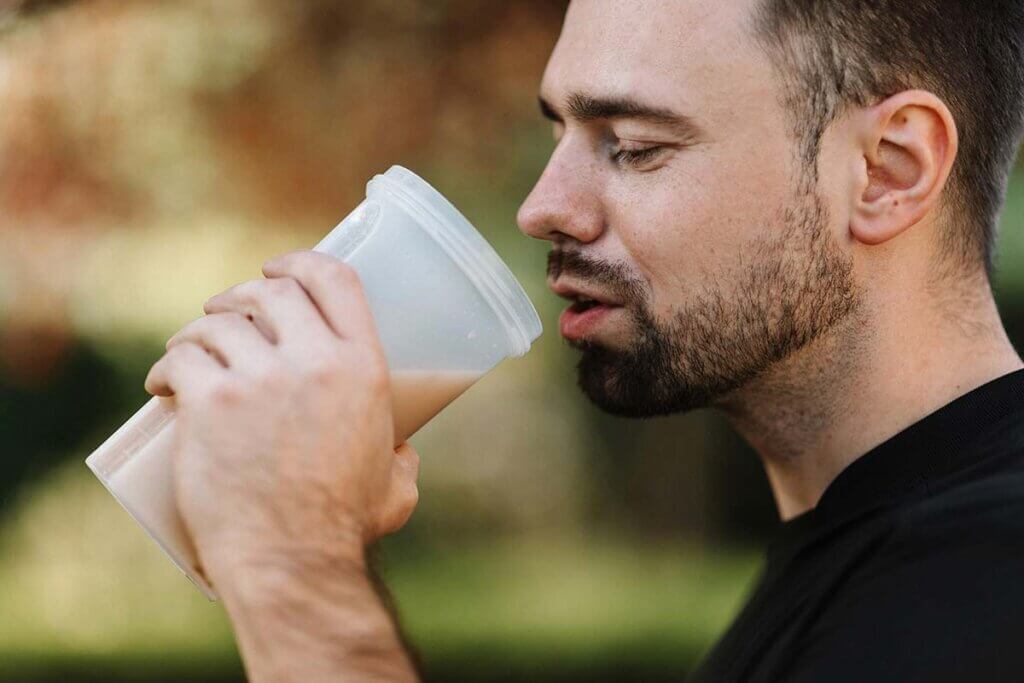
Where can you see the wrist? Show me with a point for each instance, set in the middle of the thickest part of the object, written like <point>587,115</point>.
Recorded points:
<point>313,618</point>
<point>284,571</point>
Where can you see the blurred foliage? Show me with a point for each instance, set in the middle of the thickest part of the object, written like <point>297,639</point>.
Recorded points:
<point>31,408</point>
<point>88,591</point>
<point>152,154</point>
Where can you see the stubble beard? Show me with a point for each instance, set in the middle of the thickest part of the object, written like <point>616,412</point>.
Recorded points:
<point>795,285</point>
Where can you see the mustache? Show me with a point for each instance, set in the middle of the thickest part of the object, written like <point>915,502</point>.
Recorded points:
<point>612,276</point>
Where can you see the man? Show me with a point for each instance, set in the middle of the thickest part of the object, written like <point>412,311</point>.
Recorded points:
<point>782,209</point>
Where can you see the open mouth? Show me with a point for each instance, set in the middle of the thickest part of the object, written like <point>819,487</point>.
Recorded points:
<point>584,317</point>
<point>584,305</point>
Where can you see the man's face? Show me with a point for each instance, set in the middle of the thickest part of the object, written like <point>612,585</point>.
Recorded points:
<point>673,195</point>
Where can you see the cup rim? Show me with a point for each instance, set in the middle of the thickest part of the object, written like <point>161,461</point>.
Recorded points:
<point>469,250</point>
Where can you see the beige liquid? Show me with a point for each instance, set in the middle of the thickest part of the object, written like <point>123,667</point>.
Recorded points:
<point>418,395</point>
<point>143,482</point>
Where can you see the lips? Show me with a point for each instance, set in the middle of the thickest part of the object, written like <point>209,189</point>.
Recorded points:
<point>583,318</point>
<point>588,309</point>
<point>584,305</point>
<point>582,296</point>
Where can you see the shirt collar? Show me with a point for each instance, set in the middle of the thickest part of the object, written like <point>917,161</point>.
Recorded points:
<point>911,461</point>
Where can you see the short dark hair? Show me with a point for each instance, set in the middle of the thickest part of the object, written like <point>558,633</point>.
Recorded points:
<point>833,54</point>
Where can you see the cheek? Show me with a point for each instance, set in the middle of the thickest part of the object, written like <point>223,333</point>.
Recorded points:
<point>693,226</point>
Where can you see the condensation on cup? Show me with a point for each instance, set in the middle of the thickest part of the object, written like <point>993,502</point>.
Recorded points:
<point>447,309</point>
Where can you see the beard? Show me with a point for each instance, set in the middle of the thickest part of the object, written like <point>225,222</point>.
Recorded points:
<point>794,285</point>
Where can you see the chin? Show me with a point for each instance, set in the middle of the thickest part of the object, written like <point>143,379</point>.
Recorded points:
<point>627,387</point>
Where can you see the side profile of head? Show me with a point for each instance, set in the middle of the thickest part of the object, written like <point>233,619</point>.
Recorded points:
<point>744,178</point>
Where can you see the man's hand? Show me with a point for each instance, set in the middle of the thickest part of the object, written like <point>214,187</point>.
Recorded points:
<point>285,465</point>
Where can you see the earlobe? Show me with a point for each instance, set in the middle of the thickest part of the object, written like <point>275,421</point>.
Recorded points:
<point>908,144</point>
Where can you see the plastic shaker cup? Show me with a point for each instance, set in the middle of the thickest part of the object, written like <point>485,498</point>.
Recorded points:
<point>447,309</point>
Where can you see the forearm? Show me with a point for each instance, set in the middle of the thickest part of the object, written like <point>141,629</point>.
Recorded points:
<point>300,622</point>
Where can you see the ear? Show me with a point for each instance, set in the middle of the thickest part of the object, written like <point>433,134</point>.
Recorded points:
<point>908,143</point>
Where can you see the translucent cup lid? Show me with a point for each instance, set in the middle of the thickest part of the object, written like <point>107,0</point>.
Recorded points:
<point>469,249</point>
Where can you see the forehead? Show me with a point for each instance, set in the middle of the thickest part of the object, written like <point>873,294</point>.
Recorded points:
<point>689,53</point>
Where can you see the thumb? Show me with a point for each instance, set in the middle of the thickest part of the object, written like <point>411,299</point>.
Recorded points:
<point>403,493</point>
<point>408,460</point>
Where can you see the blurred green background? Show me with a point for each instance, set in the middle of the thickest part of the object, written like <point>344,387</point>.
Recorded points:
<point>152,154</point>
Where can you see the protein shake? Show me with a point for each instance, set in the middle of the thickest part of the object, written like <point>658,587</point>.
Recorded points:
<point>447,310</point>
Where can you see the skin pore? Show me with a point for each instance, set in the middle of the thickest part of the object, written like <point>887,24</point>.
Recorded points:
<point>815,307</point>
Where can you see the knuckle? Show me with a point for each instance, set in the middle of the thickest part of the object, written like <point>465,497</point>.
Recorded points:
<point>246,292</point>
<point>176,353</point>
<point>191,329</point>
<point>270,373</point>
<point>324,370</point>
<point>369,369</point>
<point>243,290</point>
<point>276,285</point>
<point>379,382</point>
<point>185,333</point>
<point>375,370</point>
<point>234,320</point>
<point>228,317</point>
<point>151,382</point>
<point>284,285</point>
<point>277,259</point>
<point>346,275</point>
<point>225,393</point>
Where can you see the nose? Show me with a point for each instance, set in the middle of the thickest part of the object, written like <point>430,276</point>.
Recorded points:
<point>565,202</point>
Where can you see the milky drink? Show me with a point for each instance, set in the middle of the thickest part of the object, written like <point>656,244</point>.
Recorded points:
<point>418,395</point>
<point>144,480</point>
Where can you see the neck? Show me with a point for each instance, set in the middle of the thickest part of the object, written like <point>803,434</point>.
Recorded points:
<point>814,413</point>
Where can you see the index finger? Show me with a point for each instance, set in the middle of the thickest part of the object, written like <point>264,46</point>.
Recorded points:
<point>333,286</point>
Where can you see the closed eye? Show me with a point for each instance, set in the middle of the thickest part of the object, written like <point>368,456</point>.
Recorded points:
<point>636,157</point>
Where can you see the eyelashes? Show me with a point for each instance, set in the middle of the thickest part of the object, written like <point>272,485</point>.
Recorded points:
<point>636,157</point>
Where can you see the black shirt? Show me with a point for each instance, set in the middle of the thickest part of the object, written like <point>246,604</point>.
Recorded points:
<point>910,568</point>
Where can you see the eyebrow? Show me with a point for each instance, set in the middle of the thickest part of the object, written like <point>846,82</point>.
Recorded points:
<point>583,107</point>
